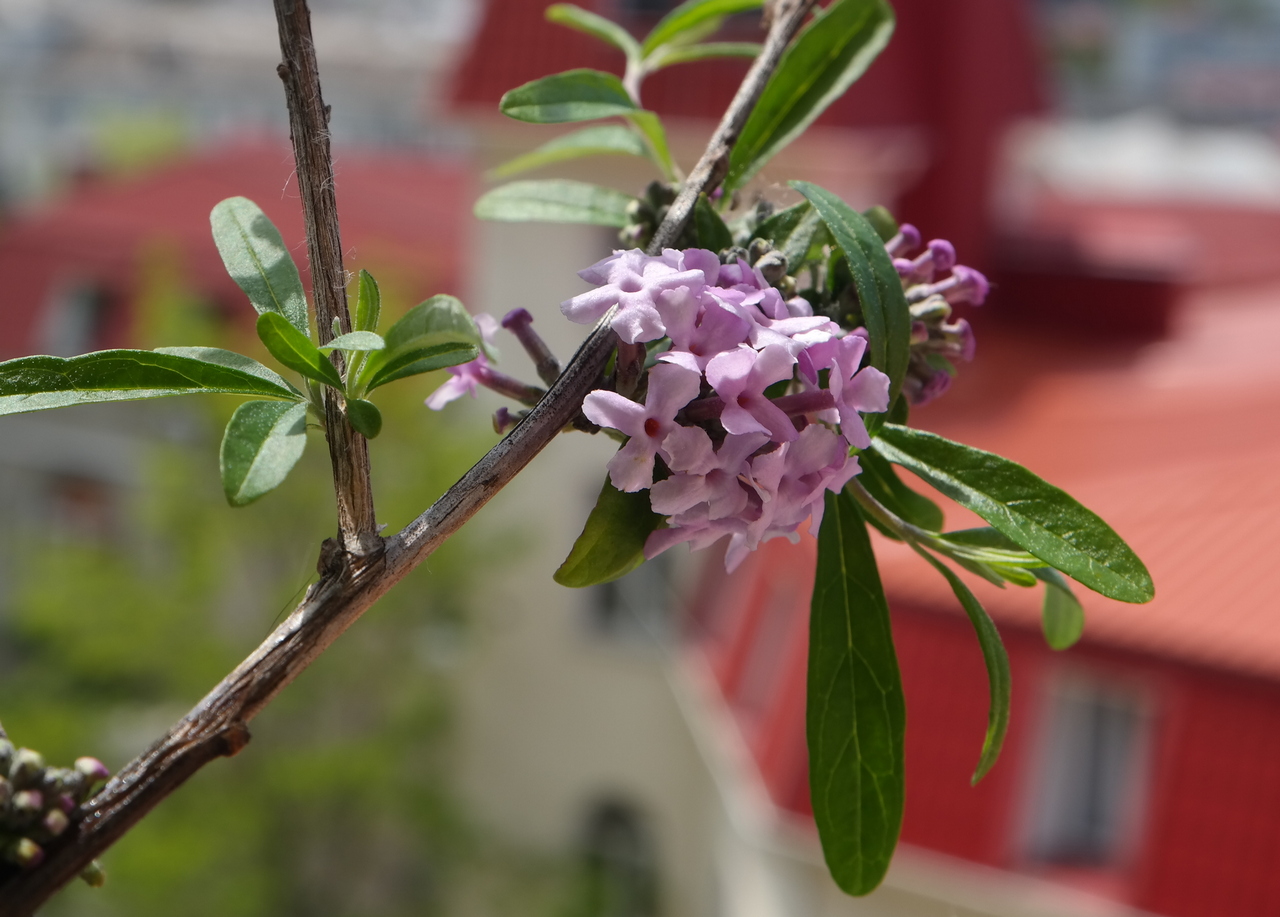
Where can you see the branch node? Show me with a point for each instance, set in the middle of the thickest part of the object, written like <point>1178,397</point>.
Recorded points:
<point>234,739</point>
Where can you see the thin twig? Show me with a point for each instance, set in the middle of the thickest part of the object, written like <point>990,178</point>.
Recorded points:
<point>309,129</point>
<point>350,582</point>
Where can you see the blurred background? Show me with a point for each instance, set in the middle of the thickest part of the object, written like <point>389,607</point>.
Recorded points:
<point>486,742</point>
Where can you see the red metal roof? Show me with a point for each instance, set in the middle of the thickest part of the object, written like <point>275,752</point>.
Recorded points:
<point>400,213</point>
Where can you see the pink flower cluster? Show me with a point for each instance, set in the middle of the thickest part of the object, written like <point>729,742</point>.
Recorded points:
<point>731,405</point>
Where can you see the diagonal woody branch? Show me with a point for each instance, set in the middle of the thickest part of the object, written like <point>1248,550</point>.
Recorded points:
<point>350,580</point>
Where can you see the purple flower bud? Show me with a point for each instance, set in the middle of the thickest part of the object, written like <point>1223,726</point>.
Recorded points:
<point>906,241</point>
<point>904,266</point>
<point>919,332</point>
<point>94,772</point>
<point>23,853</point>
<point>55,821</point>
<point>503,420</point>
<point>66,802</point>
<point>944,254</point>
<point>934,387</point>
<point>520,323</point>
<point>27,802</point>
<point>960,336</point>
<point>970,286</point>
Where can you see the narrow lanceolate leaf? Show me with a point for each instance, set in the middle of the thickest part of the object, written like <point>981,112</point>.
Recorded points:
<point>41,383</point>
<point>612,541</point>
<point>856,717</point>
<point>559,200</point>
<point>655,138</point>
<point>362,341</point>
<point>1034,514</point>
<point>884,306</point>
<point>432,335</point>
<point>364,417</point>
<point>368,303</point>
<point>598,140</point>
<point>996,660</point>
<point>256,259</point>
<point>233,360</point>
<point>821,64</point>
<point>295,350</point>
<point>608,31</point>
<point>1062,615</point>
<point>712,233</point>
<point>575,95</point>
<point>688,16</point>
<point>687,54</point>
<point>262,443</point>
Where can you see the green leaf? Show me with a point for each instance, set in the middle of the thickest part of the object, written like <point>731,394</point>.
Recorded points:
<point>997,663</point>
<point>233,360</point>
<point>712,233</point>
<point>883,483</point>
<point>558,200</point>
<point>432,335</point>
<point>368,303</point>
<point>655,137</point>
<point>364,417</point>
<point>880,296</point>
<point>676,54</point>
<point>1062,615</point>
<point>612,541</point>
<point>362,341</point>
<point>781,224</point>
<point>1037,516</point>
<point>256,259</point>
<point>575,95</point>
<point>690,14</point>
<point>608,31</point>
<point>262,443</point>
<point>828,56</point>
<point>598,140</point>
<point>42,383</point>
<point>295,350</point>
<point>856,716</point>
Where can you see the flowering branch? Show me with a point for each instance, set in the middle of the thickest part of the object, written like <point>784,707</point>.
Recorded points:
<point>353,574</point>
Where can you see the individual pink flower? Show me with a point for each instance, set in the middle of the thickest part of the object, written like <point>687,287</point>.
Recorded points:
<point>464,378</point>
<point>631,280</point>
<point>647,425</point>
<point>715,484</point>
<point>740,378</point>
<point>700,328</point>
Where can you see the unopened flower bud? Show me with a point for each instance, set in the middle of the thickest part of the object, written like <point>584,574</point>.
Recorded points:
<point>758,249</point>
<point>959,337</point>
<point>94,772</point>
<point>94,874</point>
<point>660,194</point>
<point>932,310</point>
<point>23,853</point>
<point>26,803</point>
<point>970,286</point>
<point>733,255</point>
<point>632,235</point>
<point>943,253</point>
<point>66,802</point>
<point>773,266</point>
<point>26,767</point>
<point>906,241</point>
<point>639,212</point>
<point>919,332</point>
<point>6,755</point>
<point>55,821</point>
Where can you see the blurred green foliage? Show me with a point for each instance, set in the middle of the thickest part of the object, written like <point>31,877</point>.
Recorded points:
<point>340,804</point>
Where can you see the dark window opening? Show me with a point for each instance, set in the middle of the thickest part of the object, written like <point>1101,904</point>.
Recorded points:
<point>1091,776</point>
<point>620,875</point>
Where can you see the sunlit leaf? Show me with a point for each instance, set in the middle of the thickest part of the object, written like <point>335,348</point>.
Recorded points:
<point>712,233</point>
<point>880,297</point>
<point>368,303</point>
<point>608,31</point>
<point>1062,615</point>
<point>688,54</point>
<point>597,140</point>
<point>432,335</point>
<point>688,16</point>
<point>830,53</point>
<point>355,340</point>
<point>1034,514</point>
<point>993,656</point>
<point>558,200</point>
<point>883,483</point>
<point>262,443</point>
<point>655,136</point>
<point>612,541</point>
<point>575,95</point>
<point>295,350</point>
<point>256,259</point>
<point>856,717</point>
<point>41,383</point>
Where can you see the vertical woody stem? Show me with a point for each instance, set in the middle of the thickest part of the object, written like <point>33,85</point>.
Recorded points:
<point>309,129</point>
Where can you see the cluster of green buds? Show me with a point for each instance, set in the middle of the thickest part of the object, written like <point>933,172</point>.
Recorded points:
<point>37,804</point>
<point>646,213</point>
